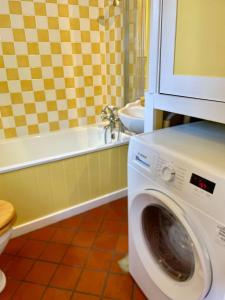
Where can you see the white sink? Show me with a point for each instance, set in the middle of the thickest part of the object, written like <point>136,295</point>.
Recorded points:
<point>132,116</point>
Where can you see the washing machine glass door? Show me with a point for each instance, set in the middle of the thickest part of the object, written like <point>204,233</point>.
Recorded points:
<point>169,247</point>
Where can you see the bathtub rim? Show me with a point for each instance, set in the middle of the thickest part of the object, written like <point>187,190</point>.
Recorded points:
<point>66,155</point>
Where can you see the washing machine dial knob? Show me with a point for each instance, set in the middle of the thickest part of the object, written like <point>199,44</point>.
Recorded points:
<point>167,173</point>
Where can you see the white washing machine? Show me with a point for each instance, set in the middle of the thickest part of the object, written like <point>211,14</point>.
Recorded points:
<point>176,198</point>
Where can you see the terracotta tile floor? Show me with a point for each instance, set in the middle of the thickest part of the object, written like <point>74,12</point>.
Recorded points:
<point>75,259</point>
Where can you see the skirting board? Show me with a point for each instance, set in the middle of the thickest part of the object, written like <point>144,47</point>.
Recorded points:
<point>67,213</point>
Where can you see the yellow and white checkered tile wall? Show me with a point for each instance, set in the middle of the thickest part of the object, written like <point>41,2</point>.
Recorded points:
<point>58,64</point>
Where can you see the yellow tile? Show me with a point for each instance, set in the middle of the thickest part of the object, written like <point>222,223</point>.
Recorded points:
<point>15,7</point>
<point>94,24</point>
<point>20,121</point>
<point>22,60</point>
<point>65,36</point>
<point>12,74</point>
<point>19,35</point>
<point>6,111</point>
<point>29,21</point>
<point>90,101</point>
<point>32,48</point>
<point>46,60</point>
<point>16,98</point>
<point>30,108</point>
<point>80,92</point>
<point>8,48</point>
<point>53,126</point>
<point>53,23</point>
<point>5,21</point>
<point>26,85</point>
<point>42,117</point>
<point>10,132</point>
<point>36,73</point>
<point>98,109</point>
<point>63,10</point>
<point>40,9</point>
<point>75,24</point>
<point>63,115</point>
<point>49,84</point>
<point>71,103</point>
<point>78,71</point>
<point>83,11</point>
<point>33,129</point>
<point>61,94</point>
<point>51,106</point>
<point>93,3</point>
<point>95,48</point>
<point>97,90</point>
<point>69,82</point>
<point>55,48</point>
<point>85,36</point>
<point>97,70</point>
<point>67,60</point>
<point>81,112</point>
<point>42,35</point>
<point>76,48</point>
<point>88,80</point>
<point>58,72</point>
<point>73,123</point>
<point>4,87</point>
<point>2,65</point>
<point>39,96</point>
<point>118,45</point>
<point>87,59</point>
<point>91,120</point>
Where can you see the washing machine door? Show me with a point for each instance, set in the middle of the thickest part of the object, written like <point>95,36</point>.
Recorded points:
<point>170,248</point>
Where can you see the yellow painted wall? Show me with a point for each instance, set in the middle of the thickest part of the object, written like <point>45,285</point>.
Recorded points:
<point>47,188</point>
<point>57,69</point>
<point>200,42</point>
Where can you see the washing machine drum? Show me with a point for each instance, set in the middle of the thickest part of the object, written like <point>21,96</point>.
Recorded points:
<point>169,247</point>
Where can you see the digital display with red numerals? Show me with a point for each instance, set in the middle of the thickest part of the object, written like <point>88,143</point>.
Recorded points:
<point>202,183</point>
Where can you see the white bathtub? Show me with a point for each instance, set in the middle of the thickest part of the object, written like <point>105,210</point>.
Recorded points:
<point>22,152</point>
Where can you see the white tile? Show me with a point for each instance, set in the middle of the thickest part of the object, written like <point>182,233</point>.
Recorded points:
<point>28,97</point>
<point>24,73</point>
<point>35,60</point>
<point>27,8</point>
<point>38,84</point>
<point>41,107</point>
<point>8,122</point>
<point>41,22</point>
<point>21,131</point>
<point>6,35</point>
<point>20,48</point>
<point>31,35</point>
<point>59,83</point>
<point>54,35</point>
<point>62,104</point>
<point>18,109</point>
<point>53,116</point>
<point>17,21</point>
<point>52,9</point>
<point>31,119</point>
<point>64,23</point>
<point>47,72</point>
<point>44,48</point>
<point>50,95</point>
<point>14,86</point>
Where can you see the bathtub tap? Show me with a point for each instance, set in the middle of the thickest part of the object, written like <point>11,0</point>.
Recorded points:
<point>110,114</point>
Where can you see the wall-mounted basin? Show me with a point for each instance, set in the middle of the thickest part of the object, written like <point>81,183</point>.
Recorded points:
<point>132,116</point>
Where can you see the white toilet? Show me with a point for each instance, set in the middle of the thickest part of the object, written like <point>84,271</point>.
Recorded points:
<point>7,218</point>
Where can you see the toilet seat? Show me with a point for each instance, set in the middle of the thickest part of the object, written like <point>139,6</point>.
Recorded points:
<point>7,216</point>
